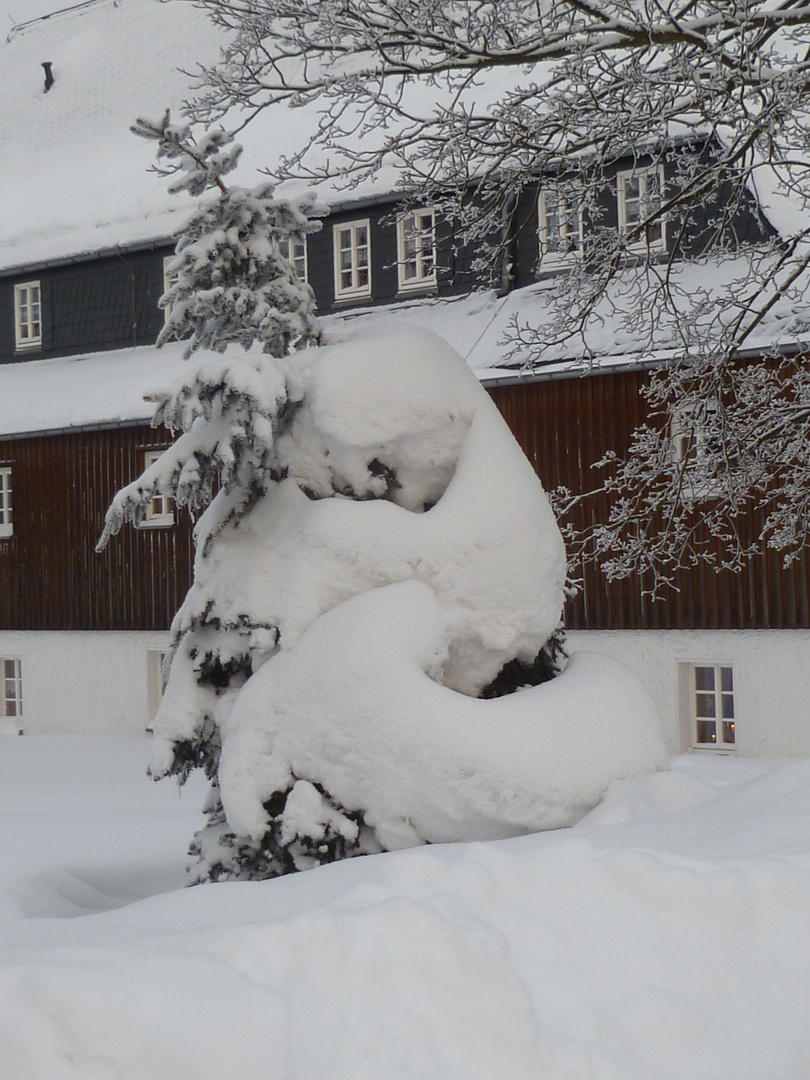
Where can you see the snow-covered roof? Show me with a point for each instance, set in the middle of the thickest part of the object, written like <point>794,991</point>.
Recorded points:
<point>108,388</point>
<point>79,181</point>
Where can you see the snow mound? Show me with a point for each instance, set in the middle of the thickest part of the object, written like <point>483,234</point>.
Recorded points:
<point>379,551</point>
<point>353,706</point>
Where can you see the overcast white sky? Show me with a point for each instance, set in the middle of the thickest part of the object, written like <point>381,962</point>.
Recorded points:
<point>17,11</point>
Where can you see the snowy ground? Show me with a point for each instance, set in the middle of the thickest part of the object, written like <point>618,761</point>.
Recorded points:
<point>666,936</point>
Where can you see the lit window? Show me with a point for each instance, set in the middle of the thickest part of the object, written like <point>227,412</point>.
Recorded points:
<point>12,689</point>
<point>712,694</point>
<point>352,264</point>
<point>560,221</point>
<point>416,250</point>
<point>639,193</point>
<point>6,519</point>
<point>160,512</point>
<point>295,252</point>
<point>27,315</point>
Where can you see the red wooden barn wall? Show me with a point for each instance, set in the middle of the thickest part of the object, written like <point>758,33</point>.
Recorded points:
<point>566,425</point>
<point>52,579</point>
<point>50,575</point>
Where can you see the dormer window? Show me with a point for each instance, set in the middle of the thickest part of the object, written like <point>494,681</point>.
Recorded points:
<point>171,275</point>
<point>27,316</point>
<point>640,193</point>
<point>352,260</point>
<point>416,250</point>
<point>560,225</point>
<point>295,252</point>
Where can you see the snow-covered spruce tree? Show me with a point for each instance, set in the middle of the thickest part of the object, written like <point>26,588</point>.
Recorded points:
<point>232,282</point>
<point>378,554</point>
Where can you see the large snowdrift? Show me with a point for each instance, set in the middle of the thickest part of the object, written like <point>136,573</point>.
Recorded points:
<point>665,937</point>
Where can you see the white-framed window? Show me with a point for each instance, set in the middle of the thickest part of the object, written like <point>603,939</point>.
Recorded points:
<point>154,682</point>
<point>295,252</point>
<point>640,193</point>
<point>711,691</point>
<point>560,231</point>
<point>11,702</point>
<point>696,440</point>
<point>160,511</point>
<point>352,246</point>
<point>27,315</point>
<point>170,278</point>
<point>6,513</point>
<point>416,249</point>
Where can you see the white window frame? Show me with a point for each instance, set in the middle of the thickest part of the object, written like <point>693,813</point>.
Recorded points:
<point>719,699</point>
<point>295,252</point>
<point>690,438</point>
<point>27,316</point>
<point>416,250</point>
<point>6,503</point>
<point>357,288</point>
<point>566,205</point>
<point>11,700</point>
<point>628,222</point>
<point>155,659</point>
<point>170,278</point>
<point>159,514</point>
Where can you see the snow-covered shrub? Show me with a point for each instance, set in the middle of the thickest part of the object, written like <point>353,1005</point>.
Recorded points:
<point>378,553</point>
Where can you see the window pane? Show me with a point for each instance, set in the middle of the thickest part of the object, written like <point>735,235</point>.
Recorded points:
<point>706,732</point>
<point>704,678</point>
<point>728,733</point>
<point>727,706</point>
<point>726,678</point>
<point>705,705</point>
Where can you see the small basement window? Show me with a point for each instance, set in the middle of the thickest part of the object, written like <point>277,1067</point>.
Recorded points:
<point>12,689</point>
<point>160,511</point>
<point>6,518</point>
<point>27,315</point>
<point>416,250</point>
<point>712,706</point>
<point>352,248</point>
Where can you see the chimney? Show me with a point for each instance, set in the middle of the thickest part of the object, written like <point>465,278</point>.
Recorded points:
<point>49,79</point>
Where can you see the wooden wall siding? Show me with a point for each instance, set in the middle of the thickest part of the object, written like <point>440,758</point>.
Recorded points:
<point>564,426</point>
<point>98,304</point>
<point>52,579</point>
<point>50,576</point>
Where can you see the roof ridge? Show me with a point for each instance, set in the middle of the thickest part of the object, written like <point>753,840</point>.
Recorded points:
<point>18,26</point>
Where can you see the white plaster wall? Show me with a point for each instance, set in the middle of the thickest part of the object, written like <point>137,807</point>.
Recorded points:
<point>83,683</point>
<point>80,683</point>
<point>771,680</point>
